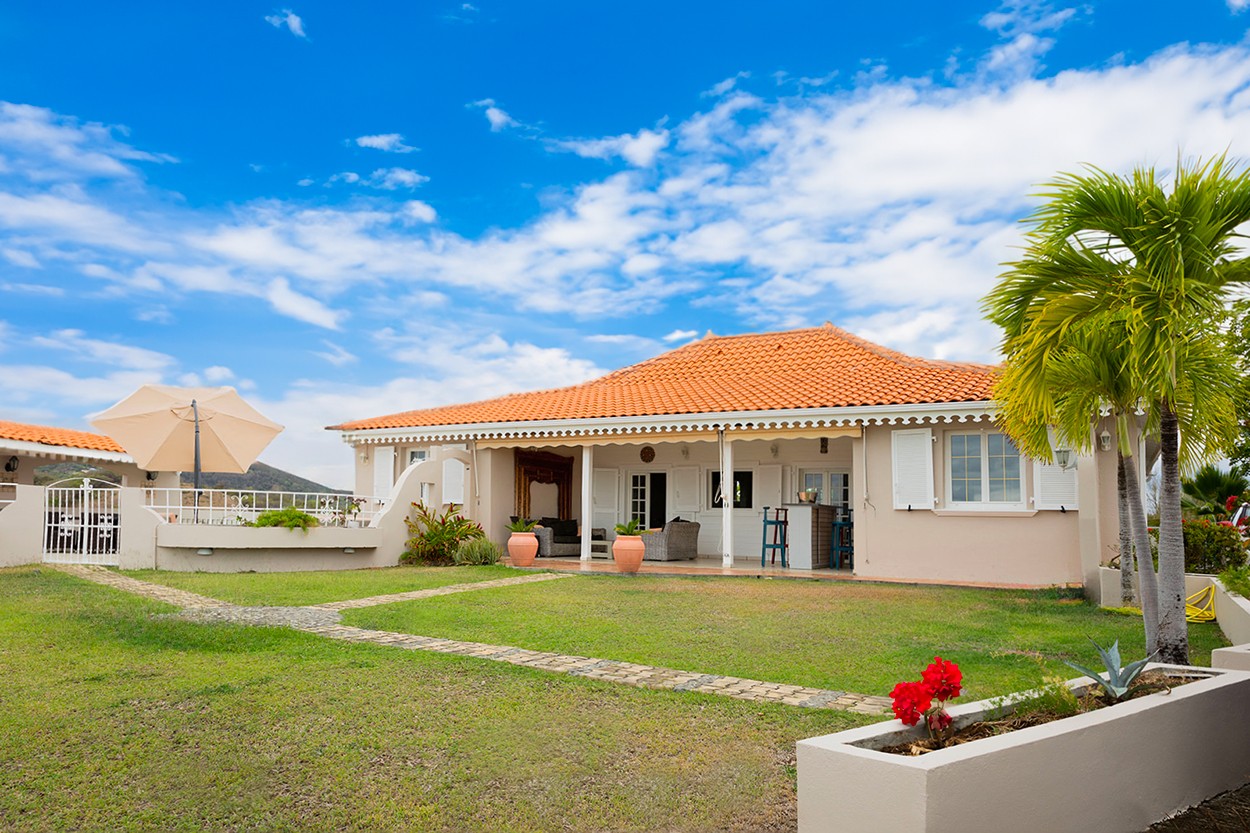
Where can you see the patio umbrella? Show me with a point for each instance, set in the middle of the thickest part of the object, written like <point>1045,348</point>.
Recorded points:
<point>166,428</point>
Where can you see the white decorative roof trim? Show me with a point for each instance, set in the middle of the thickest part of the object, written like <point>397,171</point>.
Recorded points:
<point>677,424</point>
<point>61,452</point>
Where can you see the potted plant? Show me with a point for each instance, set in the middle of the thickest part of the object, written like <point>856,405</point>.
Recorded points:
<point>627,549</point>
<point>522,543</point>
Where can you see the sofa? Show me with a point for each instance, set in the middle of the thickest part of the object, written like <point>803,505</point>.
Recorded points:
<point>559,538</point>
<point>677,541</point>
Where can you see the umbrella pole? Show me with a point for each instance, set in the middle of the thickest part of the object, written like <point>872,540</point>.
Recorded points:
<point>196,481</point>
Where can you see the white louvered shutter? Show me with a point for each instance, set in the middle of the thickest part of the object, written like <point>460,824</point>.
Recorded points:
<point>453,481</point>
<point>913,468</point>
<point>1053,487</point>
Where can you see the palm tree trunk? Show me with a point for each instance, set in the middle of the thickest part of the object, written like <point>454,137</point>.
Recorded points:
<point>1145,564</point>
<point>1128,595</point>
<point>1173,630</point>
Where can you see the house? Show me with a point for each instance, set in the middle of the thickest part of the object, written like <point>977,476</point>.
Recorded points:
<point>905,448</point>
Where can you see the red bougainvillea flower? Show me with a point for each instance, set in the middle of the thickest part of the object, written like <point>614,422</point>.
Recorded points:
<point>942,678</point>
<point>1231,503</point>
<point>911,701</point>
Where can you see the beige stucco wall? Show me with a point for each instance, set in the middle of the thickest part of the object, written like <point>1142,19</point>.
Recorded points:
<point>1027,547</point>
<point>21,527</point>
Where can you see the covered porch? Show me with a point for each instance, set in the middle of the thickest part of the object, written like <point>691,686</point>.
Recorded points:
<point>655,477</point>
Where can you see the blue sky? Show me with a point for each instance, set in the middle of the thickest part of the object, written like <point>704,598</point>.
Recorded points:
<point>353,209</point>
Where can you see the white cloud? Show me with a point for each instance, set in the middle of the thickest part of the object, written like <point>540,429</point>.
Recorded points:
<point>105,352</point>
<point>681,335</point>
<point>639,148</point>
<point>301,307</point>
<point>385,179</point>
<point>20,257</point>
<point>335,354</point>
<point>217,374</point>
<point>497,117</point>
<point>1238,6</point>
<point>288,19</point>
<point>34,289</point>
<point>389,142</point>
<point>726,85</point>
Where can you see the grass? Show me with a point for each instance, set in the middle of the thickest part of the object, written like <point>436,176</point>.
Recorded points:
<point>848,636</point>
<point>114,718</point>
<point>318,587</point>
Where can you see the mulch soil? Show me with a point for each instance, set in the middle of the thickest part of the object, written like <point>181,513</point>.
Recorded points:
<point>1227,813</point>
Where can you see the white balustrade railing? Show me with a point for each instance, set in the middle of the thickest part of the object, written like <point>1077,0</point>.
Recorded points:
<point>240,507</point>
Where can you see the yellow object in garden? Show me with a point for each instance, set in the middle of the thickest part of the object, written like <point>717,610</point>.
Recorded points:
<point>1200,607</point>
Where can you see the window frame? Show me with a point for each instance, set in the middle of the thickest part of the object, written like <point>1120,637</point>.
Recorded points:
<point>985,504</point>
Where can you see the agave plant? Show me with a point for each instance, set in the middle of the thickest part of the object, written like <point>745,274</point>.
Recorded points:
<point>1119,681</point>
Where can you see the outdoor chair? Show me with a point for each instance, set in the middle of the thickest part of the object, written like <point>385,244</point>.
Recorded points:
<point>677,541</point>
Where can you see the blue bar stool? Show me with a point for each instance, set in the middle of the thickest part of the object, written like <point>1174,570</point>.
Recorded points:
<point>780,525</point>
<point>843,543</point>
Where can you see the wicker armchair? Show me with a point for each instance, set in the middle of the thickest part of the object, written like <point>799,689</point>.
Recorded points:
<point>678,541</point>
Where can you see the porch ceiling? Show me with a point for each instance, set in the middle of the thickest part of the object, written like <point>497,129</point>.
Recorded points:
<point>637,438</point>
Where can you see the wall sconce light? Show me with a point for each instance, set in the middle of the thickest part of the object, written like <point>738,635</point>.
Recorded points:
<point>1064,458</point>
<point>774,450</point>
<point>364,454</point>
<point>685,452</point>
<point>1104,440</point>
<point>204,551</point>
<point>150,476</point>
<point>824,445</point>
<point>11,464</point>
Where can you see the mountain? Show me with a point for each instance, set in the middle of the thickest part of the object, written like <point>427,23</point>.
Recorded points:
<point>259,477</point>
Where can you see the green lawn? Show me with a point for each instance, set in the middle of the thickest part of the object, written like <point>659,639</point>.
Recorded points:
<point>315,588</point>
<point>113,719</point>
<point>849,636</point>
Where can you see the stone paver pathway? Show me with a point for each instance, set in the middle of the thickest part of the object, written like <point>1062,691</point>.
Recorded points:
<point>351,604</point>
<point>323,620</point>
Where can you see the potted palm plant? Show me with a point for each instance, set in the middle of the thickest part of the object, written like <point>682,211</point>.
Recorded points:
<point>627,549</point>
<point>522,543</point>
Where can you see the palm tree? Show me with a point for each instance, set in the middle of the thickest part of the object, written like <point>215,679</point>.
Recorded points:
<point>1085,375</point>
<point>1206,492</point>
<point>1159,262</point>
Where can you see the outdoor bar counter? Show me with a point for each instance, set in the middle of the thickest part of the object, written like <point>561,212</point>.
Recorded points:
<point>811,534</point>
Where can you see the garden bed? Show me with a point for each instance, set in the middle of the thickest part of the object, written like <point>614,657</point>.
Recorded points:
<point>1119,768</point>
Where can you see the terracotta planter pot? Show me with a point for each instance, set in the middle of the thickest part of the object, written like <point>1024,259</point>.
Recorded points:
<point>627,552</point>
<point>522,547</point>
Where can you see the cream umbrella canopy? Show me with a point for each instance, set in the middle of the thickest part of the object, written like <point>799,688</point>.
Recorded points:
<point>166,428</point>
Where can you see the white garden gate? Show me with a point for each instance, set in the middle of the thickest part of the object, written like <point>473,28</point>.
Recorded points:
<point>81,523</point>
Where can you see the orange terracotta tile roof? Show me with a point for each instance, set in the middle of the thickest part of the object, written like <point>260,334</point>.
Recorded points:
<point>57,436</point>
<point>821,367</point>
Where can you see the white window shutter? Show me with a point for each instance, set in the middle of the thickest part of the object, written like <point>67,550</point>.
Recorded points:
<point>383,470</point>
<point>913,468</point>
<point>1054,487</point>
<point>453,481</point>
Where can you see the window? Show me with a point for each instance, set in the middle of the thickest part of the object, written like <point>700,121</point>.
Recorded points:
<point>831,487</point>
<point>743,487</point>
<point>417,456</point>
<point>983,468</point>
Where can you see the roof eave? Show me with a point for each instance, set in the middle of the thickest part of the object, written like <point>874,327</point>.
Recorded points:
<point>918,413</point>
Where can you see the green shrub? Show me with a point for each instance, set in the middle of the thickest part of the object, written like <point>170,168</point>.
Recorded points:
<point>287,516</point>
<point>1237,580</point>
<point>476,552</point>
<point>1211,548</point>
<point>435,535</point>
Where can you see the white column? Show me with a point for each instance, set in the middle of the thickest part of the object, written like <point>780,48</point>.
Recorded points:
<point>588,505</point>
<point>727,503</point>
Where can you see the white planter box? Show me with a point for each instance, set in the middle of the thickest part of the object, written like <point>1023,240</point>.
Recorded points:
<point>1120,768</point>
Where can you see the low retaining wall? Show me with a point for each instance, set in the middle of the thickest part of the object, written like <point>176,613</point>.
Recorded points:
<point>1109,585</point>
<point>270,549</point>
